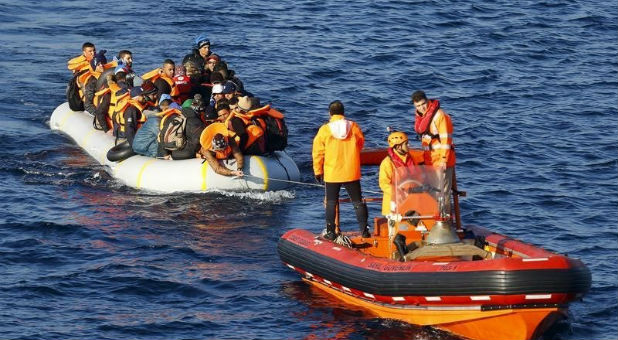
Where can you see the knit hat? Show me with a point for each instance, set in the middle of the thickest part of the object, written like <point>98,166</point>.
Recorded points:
<point>201,41</point>
<point>99,58</point>
<point>148,87</point>
<point>213,57</point>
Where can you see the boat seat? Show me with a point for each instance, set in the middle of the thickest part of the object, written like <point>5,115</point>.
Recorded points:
<point>447,250</point>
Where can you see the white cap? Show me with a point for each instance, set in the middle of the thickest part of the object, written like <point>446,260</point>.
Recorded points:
<point>217,88</point>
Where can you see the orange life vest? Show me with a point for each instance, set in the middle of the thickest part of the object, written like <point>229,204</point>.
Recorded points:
<point>78,63</point>
<point>156,74</point>
<point>209,133</point>
<point>83,79</point>
<point>122,106</point>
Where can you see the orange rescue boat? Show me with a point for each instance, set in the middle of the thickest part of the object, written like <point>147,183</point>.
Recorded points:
<point>421,267</point>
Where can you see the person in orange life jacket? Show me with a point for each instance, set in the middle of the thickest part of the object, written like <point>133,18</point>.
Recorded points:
<point>163,78</point>
<point>200,52</point>
<point>103,98</point>
<point>435,128</point>
<point>193,129</point>
<point>237,124</point>
<point>399,158</point>
<point>81,62</point>
<point>131,111</point>
<point>217,145</point>
<point>336,163</point>
<point>88,81</point>
<point>249,137</point>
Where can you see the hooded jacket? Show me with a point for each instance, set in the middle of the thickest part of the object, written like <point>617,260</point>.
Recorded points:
<point>336,150</point>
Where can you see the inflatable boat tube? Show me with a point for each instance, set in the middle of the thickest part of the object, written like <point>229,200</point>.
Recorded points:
<point>262,173</point>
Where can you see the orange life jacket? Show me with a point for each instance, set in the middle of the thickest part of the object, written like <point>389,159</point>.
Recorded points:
<point>209,133</point>
<point>78,63</point>
<point>254,129</point>
<point>121,107</point>
<point>83,79</point>
<point>166,113</point>
<point>156,74</point>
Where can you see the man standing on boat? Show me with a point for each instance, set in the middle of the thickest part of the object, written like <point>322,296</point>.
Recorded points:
<point>435,128</point>
<point>336,163</point>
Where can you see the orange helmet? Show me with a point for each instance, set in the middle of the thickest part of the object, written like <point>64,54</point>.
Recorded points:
<point>396,138</point>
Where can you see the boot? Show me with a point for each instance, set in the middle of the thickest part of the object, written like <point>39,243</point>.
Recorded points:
<point>365,232</point>
<point>330,232</point>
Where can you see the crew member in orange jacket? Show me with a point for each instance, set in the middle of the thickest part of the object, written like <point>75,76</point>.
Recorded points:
<point>399,162</point>
<point>336,163</point>
<point>435,128</point>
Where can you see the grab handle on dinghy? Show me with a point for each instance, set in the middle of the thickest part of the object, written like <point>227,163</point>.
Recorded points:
<point>120,152</point>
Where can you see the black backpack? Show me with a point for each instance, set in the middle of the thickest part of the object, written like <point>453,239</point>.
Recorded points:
<point>276,133</point>
<point>75,101</point>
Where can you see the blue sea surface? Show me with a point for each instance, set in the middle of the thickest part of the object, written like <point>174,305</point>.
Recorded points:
<point>531,86</point>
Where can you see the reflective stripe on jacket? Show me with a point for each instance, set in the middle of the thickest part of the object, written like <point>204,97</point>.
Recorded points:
<point>438,143</point>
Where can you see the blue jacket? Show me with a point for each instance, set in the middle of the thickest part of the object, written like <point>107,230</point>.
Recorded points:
<point>145,141</point>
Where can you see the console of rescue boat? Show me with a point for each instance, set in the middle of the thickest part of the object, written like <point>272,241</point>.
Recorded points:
<point>421,266</point>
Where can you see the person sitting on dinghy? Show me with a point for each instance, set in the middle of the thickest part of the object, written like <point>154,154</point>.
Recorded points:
<point>145,141</point>
<point>163,78</point>
<point>217,146</point>
<point>199,53</point>
<point>128,116</point>
<point>189,131</point>
<point>125,58</point>
<point>88,80</point>
<point>82,61</point>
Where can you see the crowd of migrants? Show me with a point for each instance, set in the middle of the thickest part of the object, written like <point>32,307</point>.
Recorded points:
<point>197,109</point>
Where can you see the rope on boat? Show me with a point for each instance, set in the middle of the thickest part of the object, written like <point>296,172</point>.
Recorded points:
<point>304,183</point>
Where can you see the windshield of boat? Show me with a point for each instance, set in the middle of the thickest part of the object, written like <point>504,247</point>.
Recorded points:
<point>417,191</point>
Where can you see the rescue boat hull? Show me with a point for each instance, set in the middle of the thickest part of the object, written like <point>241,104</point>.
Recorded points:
<point>263,173</point>
<point>507,297</point>
<point>505,324</point>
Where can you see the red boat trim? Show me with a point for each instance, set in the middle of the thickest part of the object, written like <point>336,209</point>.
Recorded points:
<point>514,282</point>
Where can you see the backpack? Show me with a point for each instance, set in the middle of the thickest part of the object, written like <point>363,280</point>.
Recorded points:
<point>75,101</point>
<point>172,135</point>
<point>276,133</point>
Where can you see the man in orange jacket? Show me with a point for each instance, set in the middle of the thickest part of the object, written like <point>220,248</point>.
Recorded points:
<point>435,128</point>
<point>336,163</point>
